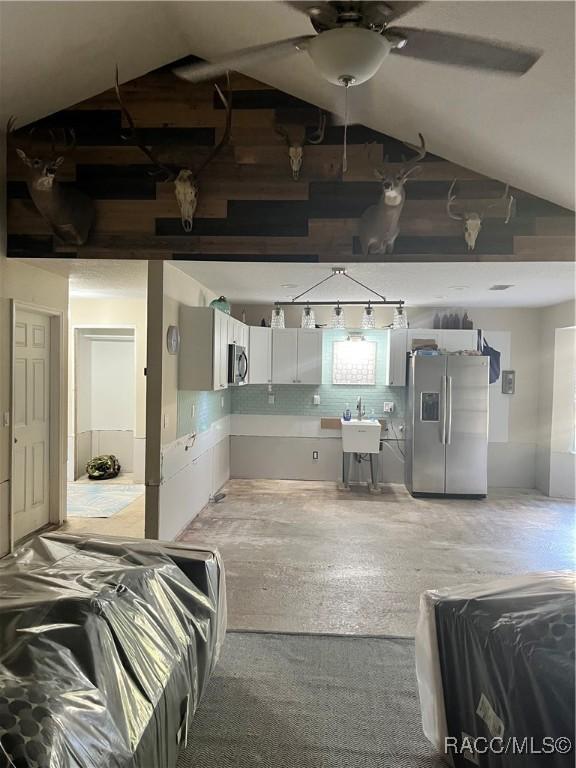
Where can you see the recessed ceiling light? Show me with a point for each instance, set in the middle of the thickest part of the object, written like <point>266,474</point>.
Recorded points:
<point>289,285</point>
<point>502,287</point>
<point>459,287</point>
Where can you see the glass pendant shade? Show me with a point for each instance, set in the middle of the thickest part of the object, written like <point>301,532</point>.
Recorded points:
<point>338,317</point>
<point>308,318</point>
<point>400,318</point>
<point>368,317</point>
<point>277,317</point>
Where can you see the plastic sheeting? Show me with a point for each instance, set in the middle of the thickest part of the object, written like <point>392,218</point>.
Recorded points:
<point>495,667</point>
<point>106,646</point>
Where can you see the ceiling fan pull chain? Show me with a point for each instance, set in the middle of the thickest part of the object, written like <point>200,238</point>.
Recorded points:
<point>345,147</point>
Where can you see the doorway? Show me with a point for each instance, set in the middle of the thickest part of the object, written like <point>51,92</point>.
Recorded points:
<point>103,393</point>
<point>36,498</point>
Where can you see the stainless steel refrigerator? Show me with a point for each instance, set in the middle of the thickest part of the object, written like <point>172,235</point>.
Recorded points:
<point>447,425</point>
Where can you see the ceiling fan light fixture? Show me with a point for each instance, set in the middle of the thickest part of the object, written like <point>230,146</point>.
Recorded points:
<point>349,55</point>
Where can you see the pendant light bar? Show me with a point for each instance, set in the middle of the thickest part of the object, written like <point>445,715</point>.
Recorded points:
<point>384,302</point>
<point>341,272</point>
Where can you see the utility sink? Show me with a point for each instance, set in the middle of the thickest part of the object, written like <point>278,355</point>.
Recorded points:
<point>361,435</point>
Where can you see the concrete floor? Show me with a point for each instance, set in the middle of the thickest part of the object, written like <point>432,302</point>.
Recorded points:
<point>306,557</point>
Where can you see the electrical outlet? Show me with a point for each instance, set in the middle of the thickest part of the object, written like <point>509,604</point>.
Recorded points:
<point>6,418</point>
<point>316,400</point>
<point>222,401</point>
<point>166,421</point>
<point>193,410</point>
<point>315,456</point>
<point>271,398</point>
<point>388,407</point>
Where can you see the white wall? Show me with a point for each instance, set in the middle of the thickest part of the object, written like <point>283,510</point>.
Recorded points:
<point>129,313</point>
<point>562,442</point>
<point>112,385</point>
<point>550,319</point>
<point>39,288</point>
<point>181,473</point>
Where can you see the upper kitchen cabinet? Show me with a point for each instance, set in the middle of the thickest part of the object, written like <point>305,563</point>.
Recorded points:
<point>397,346</point>
<point>296,356</point>
<point>309,356</point>
<point>205,334</point>
<point>260,357</point>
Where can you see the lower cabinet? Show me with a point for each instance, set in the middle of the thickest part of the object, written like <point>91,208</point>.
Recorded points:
<point>296,356</point>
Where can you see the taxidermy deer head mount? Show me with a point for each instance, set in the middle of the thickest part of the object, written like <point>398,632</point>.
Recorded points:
<point>295,138</point>
<point>185,177</point>
<point>472,220</point>
<point>69,212</point>
<point>379,224</point>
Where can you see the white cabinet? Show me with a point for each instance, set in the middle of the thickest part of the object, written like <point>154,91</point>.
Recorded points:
<point>221,350</point>
<point>284,355</point>
<point>400,342</point>
<point>309,356</point>
<point>260,356</point>
<point>205,334</point>
<point>296,356</point>
<point>451,340</point>
<point>397,350</point>
<point>457,340</point>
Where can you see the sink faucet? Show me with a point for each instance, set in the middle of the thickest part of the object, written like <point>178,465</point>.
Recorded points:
<point>360,409</point>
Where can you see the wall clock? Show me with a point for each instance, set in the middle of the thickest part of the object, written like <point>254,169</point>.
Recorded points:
<point>173,339</point>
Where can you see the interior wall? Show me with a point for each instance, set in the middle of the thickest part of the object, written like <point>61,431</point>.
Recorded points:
<point>550,318</point>
<point>183,468</point>
<point>36,287</point>
<point>104,312</point>
<point>249,206</point>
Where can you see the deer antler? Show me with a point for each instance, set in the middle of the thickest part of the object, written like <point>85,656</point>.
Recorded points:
<point>147,151</point>
<point>226,135</point>
<point>420,154</point>
<point>498,201</point>
<point>450,201</point>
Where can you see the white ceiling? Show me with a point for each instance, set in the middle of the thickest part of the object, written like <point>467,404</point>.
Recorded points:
<point>99,278</point>
<point>518,130</point>
<point>438,285</point>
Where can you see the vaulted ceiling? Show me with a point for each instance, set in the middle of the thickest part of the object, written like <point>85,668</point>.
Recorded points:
<point>517,130</point>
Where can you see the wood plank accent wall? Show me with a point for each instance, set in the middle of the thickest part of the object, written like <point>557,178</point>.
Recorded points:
<point>250,209</point>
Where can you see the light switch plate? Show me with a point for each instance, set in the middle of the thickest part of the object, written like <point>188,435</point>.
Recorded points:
<point>316,400</point>
<point>388,407</point>
<point>271,398</point>
<point>508,382</point>
<point>6,419</point>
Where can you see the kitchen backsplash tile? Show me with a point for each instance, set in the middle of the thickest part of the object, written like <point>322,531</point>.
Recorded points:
<point>208,408</point>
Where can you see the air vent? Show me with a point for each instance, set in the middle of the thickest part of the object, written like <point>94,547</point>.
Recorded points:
<point>500,287</point>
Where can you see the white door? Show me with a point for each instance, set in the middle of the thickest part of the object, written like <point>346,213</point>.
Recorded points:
<point>284,355</point>
<point>31,449</point>
<point>260,356</point>
<point>309,356</point>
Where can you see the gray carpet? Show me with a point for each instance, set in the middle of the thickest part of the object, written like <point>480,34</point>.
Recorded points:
<point>310,701</point>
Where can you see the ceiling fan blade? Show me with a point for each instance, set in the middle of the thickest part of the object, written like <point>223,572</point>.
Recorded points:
<point>237,60</point>
<point>464,51</point>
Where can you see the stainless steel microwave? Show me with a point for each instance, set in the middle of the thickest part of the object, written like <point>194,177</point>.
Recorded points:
<point>237,365</point>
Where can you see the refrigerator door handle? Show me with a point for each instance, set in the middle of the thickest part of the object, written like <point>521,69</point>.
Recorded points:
<point>449,409</point>
<point>444,410</point>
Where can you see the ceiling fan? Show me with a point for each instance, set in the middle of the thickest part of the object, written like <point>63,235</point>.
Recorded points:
<point>353,38</point>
